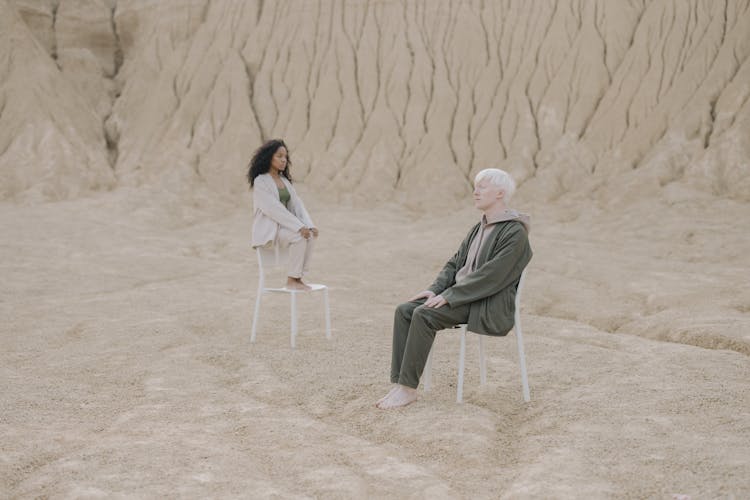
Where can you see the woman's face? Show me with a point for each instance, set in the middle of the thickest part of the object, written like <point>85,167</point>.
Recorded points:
<point>278,161</point>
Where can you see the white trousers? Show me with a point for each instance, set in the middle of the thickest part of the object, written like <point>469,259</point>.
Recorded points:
<point>300,251</point>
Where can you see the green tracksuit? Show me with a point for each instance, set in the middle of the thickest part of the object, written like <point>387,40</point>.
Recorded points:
<point>485,299</point>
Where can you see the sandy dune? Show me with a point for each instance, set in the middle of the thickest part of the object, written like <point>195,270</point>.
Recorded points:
<point>128,370</point>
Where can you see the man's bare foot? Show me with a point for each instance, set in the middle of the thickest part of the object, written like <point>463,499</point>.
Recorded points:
<point>296,284</point>
<point>393,389</point>
<point>401,396</point>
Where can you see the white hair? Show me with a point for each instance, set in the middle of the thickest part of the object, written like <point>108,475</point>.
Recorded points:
<point>499,178</point>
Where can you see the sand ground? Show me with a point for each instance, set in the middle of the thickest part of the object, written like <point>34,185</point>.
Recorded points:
<point>127,369</point>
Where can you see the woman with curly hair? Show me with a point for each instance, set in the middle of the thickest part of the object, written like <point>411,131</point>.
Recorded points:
<point>280,217</point>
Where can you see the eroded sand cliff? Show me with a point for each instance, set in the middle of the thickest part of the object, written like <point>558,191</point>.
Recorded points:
<point>376,98</point>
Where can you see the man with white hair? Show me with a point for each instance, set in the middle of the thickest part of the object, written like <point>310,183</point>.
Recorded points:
<point>477,286</point>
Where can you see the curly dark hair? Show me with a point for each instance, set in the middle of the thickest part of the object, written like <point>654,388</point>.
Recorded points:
<point>261,161</point>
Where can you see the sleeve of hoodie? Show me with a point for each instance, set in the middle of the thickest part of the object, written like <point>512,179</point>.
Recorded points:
<point>510,254</point>
<point>267,201</point>
<point>447,275</point>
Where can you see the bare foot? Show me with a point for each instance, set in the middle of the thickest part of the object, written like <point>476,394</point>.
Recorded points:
<point>402,396</point>
<point>296,284</point>
<point>393,389</point>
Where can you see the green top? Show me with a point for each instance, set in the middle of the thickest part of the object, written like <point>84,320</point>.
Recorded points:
<point>284,196</point>
<point>490,291</point>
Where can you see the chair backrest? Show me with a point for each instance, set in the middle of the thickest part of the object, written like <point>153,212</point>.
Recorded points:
<point>518,296</point>
<point>520,287</point>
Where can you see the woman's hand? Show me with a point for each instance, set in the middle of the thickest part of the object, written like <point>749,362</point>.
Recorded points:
<point>305,232</point>
<point>314,231</point>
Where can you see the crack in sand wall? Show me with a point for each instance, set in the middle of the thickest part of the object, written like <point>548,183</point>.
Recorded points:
<point>409,99</point>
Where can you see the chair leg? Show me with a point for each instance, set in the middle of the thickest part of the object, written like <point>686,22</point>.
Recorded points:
<point>256,314</point>
<point>427,373</point>
<point>294,318</point>
<point>522,361</point>
<point>461,357</point>
<point>482,363</point>
<point>328,313</point>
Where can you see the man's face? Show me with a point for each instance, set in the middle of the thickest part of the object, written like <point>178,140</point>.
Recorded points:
<point>486,194</point>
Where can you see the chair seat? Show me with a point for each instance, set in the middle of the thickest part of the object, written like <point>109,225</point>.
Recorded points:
<point>274,261</point>
<point>313,288</point>
<point>463,327</point>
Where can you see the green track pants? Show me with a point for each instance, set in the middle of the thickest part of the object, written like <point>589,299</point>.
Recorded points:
<point>414,328</point>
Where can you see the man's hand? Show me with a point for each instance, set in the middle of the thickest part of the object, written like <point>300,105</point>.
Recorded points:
<point>314,231</point>
<point>422,295</point>
<point>435,302</point>
<point>305,232</point>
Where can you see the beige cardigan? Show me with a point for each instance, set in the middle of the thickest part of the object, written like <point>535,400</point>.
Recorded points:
<point>270,213</point>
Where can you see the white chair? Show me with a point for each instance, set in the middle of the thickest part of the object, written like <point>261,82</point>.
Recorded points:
<point>272,257</point>
<point>427,375</point>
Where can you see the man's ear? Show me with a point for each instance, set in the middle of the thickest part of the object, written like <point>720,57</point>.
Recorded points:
<point>501,194</point>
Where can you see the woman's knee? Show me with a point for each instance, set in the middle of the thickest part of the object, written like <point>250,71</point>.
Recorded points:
<point>297,239</point>
<point>288,237</point>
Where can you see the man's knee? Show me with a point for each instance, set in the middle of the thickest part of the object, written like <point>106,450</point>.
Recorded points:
<point>421,313</point>
<point>404,310</point>
<point>431,317</point>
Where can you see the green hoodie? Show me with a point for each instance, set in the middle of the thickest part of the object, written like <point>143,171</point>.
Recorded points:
<point>490,290</point>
